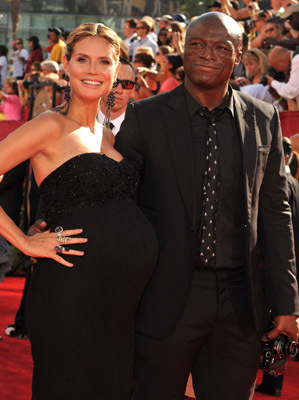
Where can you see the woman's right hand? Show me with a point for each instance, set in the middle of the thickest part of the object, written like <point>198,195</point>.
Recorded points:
<point>47,245</point>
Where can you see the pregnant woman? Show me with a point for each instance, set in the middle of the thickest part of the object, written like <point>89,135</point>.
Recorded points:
<point>82,301</point>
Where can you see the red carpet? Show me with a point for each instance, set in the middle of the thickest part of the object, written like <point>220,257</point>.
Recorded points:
<point>16,364</point>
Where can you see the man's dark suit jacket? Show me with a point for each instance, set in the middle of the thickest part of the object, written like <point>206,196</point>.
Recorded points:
<point>155,137</point>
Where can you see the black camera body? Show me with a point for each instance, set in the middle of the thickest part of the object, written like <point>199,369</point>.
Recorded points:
<point>26,84</point>
<point>277,75</point>
<point>248,25</point>
<point>276,352</point>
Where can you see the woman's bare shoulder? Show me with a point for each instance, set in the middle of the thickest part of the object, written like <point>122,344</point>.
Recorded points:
<point>54,119</point>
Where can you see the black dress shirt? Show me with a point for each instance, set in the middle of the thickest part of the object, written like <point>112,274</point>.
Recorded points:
<point>230,215</point>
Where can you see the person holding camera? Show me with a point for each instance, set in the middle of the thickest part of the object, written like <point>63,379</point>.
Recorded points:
<point>281,60</point>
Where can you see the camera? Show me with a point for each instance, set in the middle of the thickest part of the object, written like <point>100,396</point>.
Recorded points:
<point>26,84</point>
<point>277,75</point>
<point>275,353</point>
<point>248,25</point>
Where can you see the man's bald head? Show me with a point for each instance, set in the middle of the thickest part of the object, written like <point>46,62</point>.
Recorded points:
<point>280,59</point>
<point>295,142</point>
<point>218,19</point>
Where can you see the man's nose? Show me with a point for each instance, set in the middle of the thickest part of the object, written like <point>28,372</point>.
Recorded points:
<point>208,52</point>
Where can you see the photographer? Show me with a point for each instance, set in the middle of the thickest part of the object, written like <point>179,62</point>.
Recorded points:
<point>291,16</point>
<point>281,60</point>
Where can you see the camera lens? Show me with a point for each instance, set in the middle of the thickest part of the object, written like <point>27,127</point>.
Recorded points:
<point>291,349</point>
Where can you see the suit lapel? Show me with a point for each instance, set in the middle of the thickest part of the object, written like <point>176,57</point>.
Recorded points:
<point>246,124</point>
<point>178,134</point>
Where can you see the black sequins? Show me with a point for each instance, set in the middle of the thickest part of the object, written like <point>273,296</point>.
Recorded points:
<point>87,180</point>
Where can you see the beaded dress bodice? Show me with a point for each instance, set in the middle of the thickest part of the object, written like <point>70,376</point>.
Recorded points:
<point>87,180</point>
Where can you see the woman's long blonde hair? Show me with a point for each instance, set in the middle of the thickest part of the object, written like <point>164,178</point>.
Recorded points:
<point>93,29</point>
<point>257,55</point>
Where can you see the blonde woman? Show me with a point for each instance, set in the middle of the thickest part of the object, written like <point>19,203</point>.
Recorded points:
<point>80,315</point>
<point>256,64</point>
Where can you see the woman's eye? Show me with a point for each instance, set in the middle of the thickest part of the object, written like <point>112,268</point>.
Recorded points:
<point>106,62</point>
<point>81,59</point>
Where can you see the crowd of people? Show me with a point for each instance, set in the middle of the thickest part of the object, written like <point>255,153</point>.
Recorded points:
<point>156,49</point>
<point>186,214</point>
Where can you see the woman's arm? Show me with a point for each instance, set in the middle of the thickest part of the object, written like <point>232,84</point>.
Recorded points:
<point>27,141</point>
<point>24,143</point>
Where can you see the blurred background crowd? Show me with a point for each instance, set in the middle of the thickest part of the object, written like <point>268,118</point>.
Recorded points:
<point>32,79</point>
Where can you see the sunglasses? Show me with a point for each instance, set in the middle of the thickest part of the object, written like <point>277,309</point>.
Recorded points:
<point>125,84</point>
<point>269,30</point>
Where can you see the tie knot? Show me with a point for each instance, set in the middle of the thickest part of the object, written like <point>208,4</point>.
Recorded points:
<point>211,116</point>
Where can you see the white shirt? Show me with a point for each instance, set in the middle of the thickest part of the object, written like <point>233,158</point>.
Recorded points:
<point>289,89</point>
<point>18,67</point>
<point>116,122</point>
<point>3,65</point>
<point>131,39</point>
<point>261,92</point>
<point>147,42</point>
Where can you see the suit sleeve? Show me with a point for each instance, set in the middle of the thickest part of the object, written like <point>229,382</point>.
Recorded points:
<point>276,231</point>
<point>129,141</point>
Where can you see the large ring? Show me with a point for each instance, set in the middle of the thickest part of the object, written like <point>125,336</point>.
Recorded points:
<point>62,239</point>
<point>65,248</point>
<point>59,230</point>
<point>61,248</point>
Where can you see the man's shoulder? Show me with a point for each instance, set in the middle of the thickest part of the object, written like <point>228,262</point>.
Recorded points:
<point>248,102</point>
<point>158,100</point>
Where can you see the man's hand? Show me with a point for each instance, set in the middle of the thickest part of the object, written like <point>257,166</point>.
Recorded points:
<point>39,226</point>
<point>287,324</point>
<point>269,79</point>
<point>271,40</point>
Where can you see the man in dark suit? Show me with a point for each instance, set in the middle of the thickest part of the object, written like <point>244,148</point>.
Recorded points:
<point>212,176</point>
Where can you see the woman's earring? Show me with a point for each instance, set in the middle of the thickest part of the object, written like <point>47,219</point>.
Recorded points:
<point>67,94</point>
<point>110,104</point>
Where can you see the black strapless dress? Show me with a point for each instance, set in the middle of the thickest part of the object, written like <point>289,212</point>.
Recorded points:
<point>81,319</point>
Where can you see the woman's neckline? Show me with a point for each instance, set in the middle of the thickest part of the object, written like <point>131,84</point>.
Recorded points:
<point>73,158</point>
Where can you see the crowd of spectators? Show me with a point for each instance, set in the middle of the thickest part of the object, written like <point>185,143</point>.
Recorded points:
<point>268,71</point>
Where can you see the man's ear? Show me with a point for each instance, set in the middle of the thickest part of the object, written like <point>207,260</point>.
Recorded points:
<point>238,55</point>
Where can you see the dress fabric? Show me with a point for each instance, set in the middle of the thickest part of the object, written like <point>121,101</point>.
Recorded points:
<point>81,319</point>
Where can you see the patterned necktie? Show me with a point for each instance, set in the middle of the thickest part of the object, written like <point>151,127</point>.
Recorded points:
<point>210,192</point>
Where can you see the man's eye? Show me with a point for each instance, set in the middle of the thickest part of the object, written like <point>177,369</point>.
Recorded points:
<point>222,48</point>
